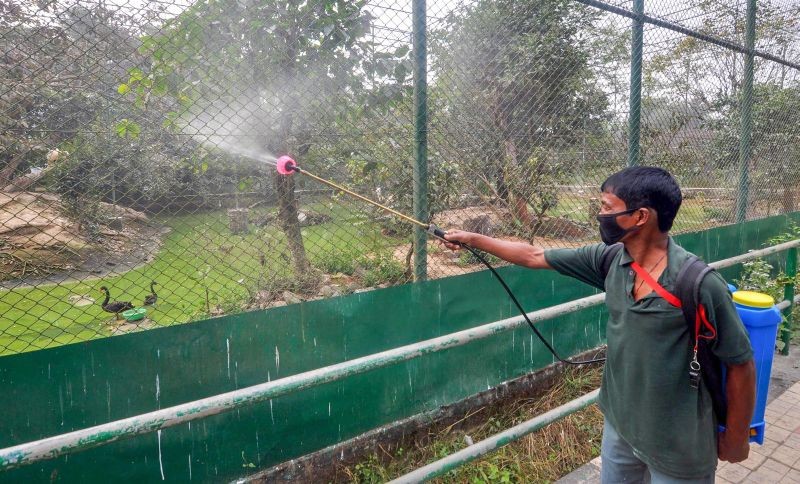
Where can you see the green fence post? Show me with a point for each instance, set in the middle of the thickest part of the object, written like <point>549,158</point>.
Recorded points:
<point>747,120</point>
<point>635,107</point>
<point>420,176</point>
<point>788,295</point>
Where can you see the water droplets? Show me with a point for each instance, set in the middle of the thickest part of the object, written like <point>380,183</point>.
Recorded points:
<point>228,347</point>
<point>160,462</point>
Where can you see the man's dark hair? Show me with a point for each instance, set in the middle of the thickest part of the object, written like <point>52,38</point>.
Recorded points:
<point>647,187</point>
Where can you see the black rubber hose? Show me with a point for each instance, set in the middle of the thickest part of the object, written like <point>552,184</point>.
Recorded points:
<point>522,310</point>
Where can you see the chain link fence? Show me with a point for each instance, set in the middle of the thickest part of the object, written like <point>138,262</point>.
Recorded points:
<point>138,141</point>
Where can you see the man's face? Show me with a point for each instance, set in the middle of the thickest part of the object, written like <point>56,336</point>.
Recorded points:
<point>610,203</point>
<point>623,225</point>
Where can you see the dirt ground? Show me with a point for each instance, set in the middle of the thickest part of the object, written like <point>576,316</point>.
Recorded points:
<point>40,243</point>
<point>443,262</point>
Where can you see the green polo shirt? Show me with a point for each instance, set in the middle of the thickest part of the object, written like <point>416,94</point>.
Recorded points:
<point>645,393</point>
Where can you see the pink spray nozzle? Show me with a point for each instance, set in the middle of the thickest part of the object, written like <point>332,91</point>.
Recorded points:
<point>285,165</point>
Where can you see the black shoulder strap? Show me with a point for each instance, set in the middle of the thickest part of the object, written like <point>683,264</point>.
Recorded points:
<point>608,257</point>
<point>687,288</point>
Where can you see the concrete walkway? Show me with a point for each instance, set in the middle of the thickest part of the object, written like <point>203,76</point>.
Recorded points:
<point>777,461</point>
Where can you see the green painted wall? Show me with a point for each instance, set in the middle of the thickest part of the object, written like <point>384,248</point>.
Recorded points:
<point>61,389</point>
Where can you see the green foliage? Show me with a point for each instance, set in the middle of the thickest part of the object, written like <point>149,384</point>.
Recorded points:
<point>293,74</point>
<point>717,212</point>
<point>336,262</point>
<point>127,129</point>
<point>382,268</point>
<point>371,269</point>
<point>692,109</point>
<point>541,457</point>
<point>370,472</point>
<point>760,276</point>
<point>381,169</point>
<point>54,89</point>
<point>513,117</point>
<point>792,233</point>
<point>491,473</point>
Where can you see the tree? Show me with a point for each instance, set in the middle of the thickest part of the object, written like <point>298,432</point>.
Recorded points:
<point>284,71</point>
<point>520,90</point>
<point>703,84</point>
<point>776,142</point>
<point>62,113</point>
<point>39,107</point>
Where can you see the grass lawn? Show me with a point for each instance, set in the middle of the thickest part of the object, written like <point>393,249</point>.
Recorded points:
<point>200,258</point>
<point>199,254</point>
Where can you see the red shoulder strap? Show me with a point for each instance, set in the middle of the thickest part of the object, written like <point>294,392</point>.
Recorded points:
<point>658,288</point>
<point>701,318</point>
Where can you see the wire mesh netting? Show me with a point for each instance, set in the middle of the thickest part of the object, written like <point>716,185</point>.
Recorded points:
<point>138,140</point>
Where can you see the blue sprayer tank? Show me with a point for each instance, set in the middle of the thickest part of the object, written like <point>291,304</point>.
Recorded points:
<point>761,319</point>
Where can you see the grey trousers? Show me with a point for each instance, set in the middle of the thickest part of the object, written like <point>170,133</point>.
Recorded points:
<point>620,465</point>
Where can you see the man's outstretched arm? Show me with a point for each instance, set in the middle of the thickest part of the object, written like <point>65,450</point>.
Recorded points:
<point>519,253</point>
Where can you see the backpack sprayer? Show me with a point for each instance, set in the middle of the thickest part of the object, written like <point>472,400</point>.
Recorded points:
<point>287,166</point>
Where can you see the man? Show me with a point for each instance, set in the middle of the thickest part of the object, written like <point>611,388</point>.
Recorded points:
<point>657,425</point>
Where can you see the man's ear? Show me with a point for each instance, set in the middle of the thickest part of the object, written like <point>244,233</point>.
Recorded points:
<point>644,216</point>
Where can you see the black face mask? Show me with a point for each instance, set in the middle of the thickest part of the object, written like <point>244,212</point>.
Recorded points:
<point>610,231</point>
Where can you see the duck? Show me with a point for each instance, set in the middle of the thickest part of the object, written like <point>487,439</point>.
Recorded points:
<point>151,298</point>
<point>115,307</point>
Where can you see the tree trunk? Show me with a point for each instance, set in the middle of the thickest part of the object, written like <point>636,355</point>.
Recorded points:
<point>788,196</point>
<point>287,203</point>
<point>284,184</point>
<point>517,203</point>
<point>502,187</point>
<point>289,222</point>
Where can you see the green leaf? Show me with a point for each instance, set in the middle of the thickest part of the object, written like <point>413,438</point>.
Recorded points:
<point>123,89</point>
<point>160,86</point>
<point>135,74</point>
<point>402,51</point>
<point>148,44</point>
<point>400,73</point>
<point>127,129</point>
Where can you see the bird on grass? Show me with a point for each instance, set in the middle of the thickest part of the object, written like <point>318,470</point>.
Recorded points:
<point>115,307</point>
<point>151,298</point>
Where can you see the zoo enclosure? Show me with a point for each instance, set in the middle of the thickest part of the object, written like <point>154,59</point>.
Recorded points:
<point>136,140</point>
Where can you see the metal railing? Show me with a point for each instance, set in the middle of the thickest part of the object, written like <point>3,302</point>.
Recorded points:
<point>55,446</point>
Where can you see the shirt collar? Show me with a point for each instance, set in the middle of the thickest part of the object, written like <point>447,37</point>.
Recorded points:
<point>674,260</point>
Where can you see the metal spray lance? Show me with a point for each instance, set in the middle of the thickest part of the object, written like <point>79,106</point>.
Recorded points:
<point>287,166</point>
